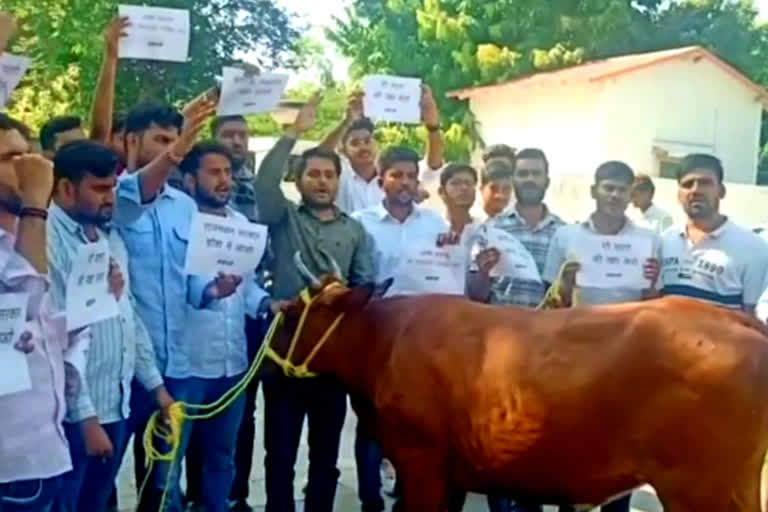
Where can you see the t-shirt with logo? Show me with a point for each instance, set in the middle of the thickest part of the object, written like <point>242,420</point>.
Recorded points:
<point>726,268</point>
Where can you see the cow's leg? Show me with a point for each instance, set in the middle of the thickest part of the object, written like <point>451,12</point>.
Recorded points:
<point>424,489</point>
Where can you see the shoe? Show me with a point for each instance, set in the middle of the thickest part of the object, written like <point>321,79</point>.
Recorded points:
<point>240,506</point>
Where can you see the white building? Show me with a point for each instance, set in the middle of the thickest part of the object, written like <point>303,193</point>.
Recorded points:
<point>648,110</point>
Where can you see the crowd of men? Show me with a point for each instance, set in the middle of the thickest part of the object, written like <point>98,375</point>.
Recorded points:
<point>136,184</point>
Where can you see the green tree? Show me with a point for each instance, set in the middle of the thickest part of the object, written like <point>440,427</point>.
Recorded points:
<point>452,44</point>
<point>64,39</point>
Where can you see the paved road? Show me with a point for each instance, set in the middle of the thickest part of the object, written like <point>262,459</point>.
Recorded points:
<point>643,501</point>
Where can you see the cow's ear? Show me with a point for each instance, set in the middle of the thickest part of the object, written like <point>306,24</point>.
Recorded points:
<point>354,299</point>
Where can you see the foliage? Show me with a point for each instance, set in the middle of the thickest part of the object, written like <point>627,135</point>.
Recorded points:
<point>453,44</point>
<point>64,37</point>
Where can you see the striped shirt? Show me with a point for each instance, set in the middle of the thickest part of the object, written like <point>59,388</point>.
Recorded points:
<point>120,346</point>
<point>727,268</point>
<point>518,292</point>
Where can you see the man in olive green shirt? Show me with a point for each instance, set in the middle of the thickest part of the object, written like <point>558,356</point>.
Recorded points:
<point>322,233</point>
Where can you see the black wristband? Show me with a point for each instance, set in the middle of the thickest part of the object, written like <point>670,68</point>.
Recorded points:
<point>34,212</point>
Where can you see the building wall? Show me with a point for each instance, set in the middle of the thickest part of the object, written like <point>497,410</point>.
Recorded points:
<point>682,107</point>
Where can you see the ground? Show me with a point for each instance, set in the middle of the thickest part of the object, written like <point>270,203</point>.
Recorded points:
<point>346,501</point>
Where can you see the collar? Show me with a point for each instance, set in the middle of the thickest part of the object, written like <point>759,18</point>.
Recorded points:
<point>512,213</point>
<point>590,225</point>
<point>712,234</point>
<point>337,213</point>
<point>383,214</point>
<point>62,218</point>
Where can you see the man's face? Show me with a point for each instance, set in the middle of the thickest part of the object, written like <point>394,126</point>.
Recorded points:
<point>612,197</point>
<point>459,191</point>
<point>641,198</point>
<point>234,135</point>
<point>213,186</point>
<point>153,142</point>
<point>92,200</point>
<point>360,148</point>
<point>319,183</point>
<point>699,192</point>
<point>12,144</point>
<point>530,181</point>
<point>400,183</point>
<point>496,195</point>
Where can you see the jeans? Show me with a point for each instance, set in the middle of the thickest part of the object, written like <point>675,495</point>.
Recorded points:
<point>369,458</point>
<point>218,450</point>
<point>29,495</point>
<point>88,486</point>
<point>286,402</point>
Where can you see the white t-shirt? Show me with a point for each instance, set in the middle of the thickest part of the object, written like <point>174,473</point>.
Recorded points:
<point>727,268</point>
<point>565,243</point>
<point>356,194</point>
<point>654,218</point>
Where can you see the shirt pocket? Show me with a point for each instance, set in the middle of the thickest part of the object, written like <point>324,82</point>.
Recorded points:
<point>178,242</point>
<point>139,238</point>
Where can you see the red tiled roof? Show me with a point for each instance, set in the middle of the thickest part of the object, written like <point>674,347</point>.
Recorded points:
<point>608,68</point>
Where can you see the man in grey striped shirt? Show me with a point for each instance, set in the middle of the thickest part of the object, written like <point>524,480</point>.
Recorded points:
<point>97,430</point>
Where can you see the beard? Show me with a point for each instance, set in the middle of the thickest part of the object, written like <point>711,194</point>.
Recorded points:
<point>10,200</point>
<point>209,200</point>
<point>529,195</point>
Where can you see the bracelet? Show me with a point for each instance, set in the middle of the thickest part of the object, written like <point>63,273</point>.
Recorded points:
<point>432,128</point>
<point>33,212</point>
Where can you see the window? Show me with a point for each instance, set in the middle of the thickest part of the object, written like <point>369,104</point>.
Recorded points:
<point>669,167</point>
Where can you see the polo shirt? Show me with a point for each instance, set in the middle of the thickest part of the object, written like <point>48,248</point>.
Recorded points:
<point>565,242</point>
<point>727,268</point>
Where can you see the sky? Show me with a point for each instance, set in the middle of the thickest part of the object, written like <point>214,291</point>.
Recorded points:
<point>318,14</point>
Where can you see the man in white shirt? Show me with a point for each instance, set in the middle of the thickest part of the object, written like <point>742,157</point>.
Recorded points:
<point>711,258</point>
<point>645,213</point>
<point>358,186</point>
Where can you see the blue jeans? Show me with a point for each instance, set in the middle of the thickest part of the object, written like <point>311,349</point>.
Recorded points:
<point>29,495</point>
<point>218,450</point>
<point>88,486</point>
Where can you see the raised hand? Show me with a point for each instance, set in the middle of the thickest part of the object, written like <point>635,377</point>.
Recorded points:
<point>112,34</point>
<point>354,106</point>
<point>307,115</point>
<point>35,177</point>
<point>430,113</point>
<point>195,120</point>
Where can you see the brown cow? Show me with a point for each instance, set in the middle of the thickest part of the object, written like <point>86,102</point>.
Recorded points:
<point>563,406</point>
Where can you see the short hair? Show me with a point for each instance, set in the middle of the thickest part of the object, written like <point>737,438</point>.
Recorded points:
<point>8,123</point>
<point>496,169</point>
<point>700,161</point>
<point>396,154</point>
<point>217,121</point>
<point>615,170</point>
<point>319,153</point>
<point>533,154</point>
<point>452,169</point>
<point>643,183</point>
<point>76,159</point>
<point>118,124</point>
<point>360,124</point>
<point>55,126</point>
<point>193,160</point>
<point>499,151</point>
<point>141,117</point>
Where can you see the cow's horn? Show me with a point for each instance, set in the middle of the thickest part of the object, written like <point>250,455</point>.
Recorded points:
<point>304,271</point>
<point>336,268</point>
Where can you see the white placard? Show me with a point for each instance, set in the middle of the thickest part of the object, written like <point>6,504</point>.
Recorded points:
<point>516,261</point>
<point>88,299</point>
<point>224,244</point>
<point>392,99</point>
<point>12,69</point>
<point>427,269</point>
<point>249,94</point>
<point>613,261</point>
<point>14,369</point>
<point>156,33</point>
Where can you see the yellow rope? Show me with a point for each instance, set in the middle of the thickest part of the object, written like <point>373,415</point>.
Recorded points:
<point>180,412</point>
<point>554,297</point>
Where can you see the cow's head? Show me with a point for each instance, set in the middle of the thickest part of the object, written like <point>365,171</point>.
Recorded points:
<point>305,324</point>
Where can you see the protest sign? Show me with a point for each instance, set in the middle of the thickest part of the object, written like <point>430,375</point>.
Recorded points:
<point>224,244</point>
<point>427,269</point>
<point>88,298</point>
<point>613,261</point>
<point>516,261</point>
<point>392,99</point>
<point>155,33</point>
<point>249,94</point>
<point>14,369</point>
<point>12,69</point>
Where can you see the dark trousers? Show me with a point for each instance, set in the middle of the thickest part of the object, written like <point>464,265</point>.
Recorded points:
<point>142,407</point>
<point>30,495</point>
<point>87,488</point>
<point>368,458</point>
<point>286,402</point>
<point>254,332</point>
